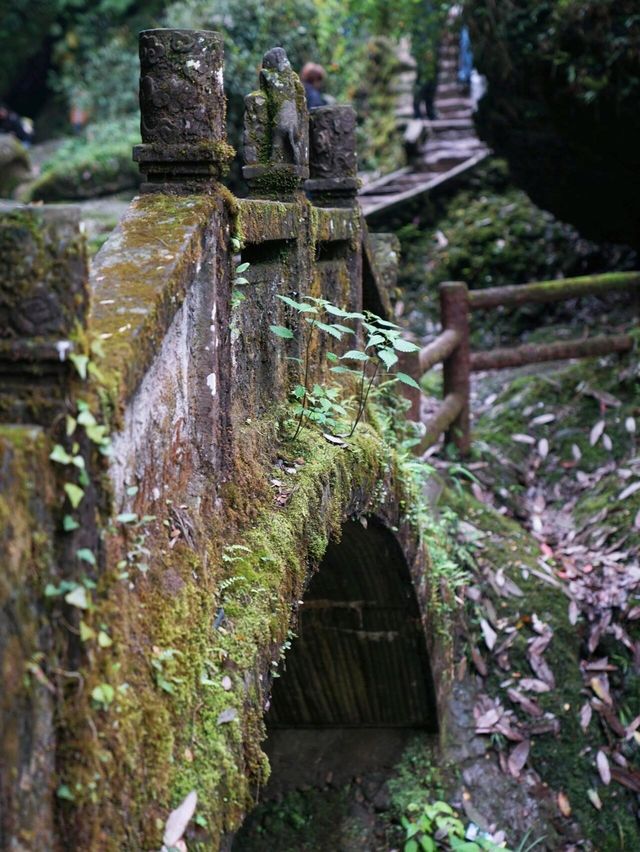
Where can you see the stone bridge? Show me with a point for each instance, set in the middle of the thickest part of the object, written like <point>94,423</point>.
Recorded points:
<point>161,533</point>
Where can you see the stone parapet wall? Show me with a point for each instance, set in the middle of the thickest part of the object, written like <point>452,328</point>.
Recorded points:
<point>151,568</point>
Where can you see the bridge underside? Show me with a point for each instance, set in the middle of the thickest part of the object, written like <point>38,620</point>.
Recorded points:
<point>360,657</point>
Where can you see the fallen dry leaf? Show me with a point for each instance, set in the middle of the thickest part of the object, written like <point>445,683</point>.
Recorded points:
<point>596,432</point>
<point>600,685</point>
<point>585,716</point>
<point>532,684</point>
<point>564,804</point>
<point>479,662</point>
<point>529,705</point>
<point>629,490</point>
<point>594,798</point>
<point>518,757</point>
<point>603,767</point>
<point>626,777</point>
<point>488,633</point>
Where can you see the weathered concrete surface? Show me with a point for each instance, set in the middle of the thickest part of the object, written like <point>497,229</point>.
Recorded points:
<point>27,697</point>
<point>193,523</point>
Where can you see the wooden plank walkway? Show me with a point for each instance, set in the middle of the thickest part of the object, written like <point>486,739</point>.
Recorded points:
<point>444,149</point>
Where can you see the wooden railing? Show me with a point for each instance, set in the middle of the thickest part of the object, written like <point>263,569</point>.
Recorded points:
<point>453,350</point>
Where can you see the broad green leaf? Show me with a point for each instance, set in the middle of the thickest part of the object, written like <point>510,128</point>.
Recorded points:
<point>80,362</point>
<point>74,493</point>
<point>242,268</point>
<point>374,340</point>
<point>335,311</point>
<point>78,597</point>
<point>411,846</point>
<point>403,345</point>
<point>103,694</point>
<point>301,307</point>
<point>281,331</point>
<point>64,792</point>
<point>299,391</point>
<point>69,524</point>
<point>407,380</point>
<point>345,370</point>
<point>60,455</point>
<point>127,518</point>
<point>86,633</point>
<point>329,329</point>
<point>86,555</point>
<point>104,640</point>
<point>388,357</point>
<point>71,425</point>
<point>354,355</point>
<point>331,356</point>
<point>86,418</point>
<point>386,323</point>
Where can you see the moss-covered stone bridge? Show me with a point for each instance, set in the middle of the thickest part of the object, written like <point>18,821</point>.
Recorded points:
<point>161,537</point>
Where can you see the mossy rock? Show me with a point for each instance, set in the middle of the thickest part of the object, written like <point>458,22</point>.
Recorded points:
<point>15,166</point>
<point>98,170</point>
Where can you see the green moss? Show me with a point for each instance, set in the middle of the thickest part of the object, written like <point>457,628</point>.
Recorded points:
<point>168,661</point>
<point>566,761</point>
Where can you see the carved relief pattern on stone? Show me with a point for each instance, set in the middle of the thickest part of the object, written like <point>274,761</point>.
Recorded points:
<point>180,85</point>
<point>333,142</point>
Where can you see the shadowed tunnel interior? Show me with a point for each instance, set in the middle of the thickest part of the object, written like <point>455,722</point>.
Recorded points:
<point>360,657</point>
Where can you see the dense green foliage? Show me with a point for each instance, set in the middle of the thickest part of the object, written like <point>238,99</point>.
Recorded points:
<point>87,44</point>
<point>82,168</point>
<point>564,83</point>
<point>490,234</point>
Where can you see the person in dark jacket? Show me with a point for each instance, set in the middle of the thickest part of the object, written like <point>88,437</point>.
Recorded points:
<point>313,77</point>
<point>11,122</point>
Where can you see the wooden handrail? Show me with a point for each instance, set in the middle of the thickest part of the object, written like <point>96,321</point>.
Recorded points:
<point>439,349</point>
<point>534,353</point>
<point>452,346</point>
<point>552,291</point>
<point>447,413</point>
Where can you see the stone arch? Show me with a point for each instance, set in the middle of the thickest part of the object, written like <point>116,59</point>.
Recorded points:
<point>360,657</point>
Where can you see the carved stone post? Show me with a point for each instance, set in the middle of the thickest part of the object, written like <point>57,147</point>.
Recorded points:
<point>43,305</point>
<point>182,111</point>
<point>276,131</point>
<point>333,161</point>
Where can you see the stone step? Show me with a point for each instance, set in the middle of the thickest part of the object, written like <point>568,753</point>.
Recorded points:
<point>454,103</point>
<point>446,91</point>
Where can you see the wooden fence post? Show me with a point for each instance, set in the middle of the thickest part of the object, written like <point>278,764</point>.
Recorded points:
<point>454,313</point>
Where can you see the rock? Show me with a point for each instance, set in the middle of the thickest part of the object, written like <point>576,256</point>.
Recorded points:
<point>15,166</point>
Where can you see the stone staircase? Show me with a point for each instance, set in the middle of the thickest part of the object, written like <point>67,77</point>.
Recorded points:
<point>438,150</point>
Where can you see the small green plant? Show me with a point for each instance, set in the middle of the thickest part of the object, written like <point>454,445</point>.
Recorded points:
<point>437,826</point>
<point>163,662</point>
<point>382,341</point>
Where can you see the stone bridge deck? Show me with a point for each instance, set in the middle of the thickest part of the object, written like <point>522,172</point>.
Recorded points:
<point>159,530</point>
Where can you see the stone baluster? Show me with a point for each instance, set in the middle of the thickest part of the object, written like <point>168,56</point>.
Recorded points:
<point>333,162</point>
<point>43,304</point>
<point>276,131</point>
<point>182,111</point>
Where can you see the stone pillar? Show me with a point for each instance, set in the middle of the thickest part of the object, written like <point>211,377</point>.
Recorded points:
<point>276,131</point>
<point>182,111</point>
<point>44,301</point>
<point>333,161</point>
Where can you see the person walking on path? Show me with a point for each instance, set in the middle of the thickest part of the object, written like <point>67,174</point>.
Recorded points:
<point>313,77</point>
<point>465,60</point>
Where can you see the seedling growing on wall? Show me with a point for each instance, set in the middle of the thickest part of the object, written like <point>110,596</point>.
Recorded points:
<point>383,341</point>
